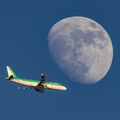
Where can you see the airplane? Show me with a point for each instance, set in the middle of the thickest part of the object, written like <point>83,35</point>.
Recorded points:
<point>39,86</point>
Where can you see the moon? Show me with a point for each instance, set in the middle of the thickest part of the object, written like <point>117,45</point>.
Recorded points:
<point>81,48</point>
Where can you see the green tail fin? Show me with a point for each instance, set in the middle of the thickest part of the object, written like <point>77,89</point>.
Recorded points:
<point>10,72</point>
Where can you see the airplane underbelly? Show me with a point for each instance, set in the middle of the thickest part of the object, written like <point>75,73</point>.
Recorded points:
<point>56,87</point>
<point>26,83</point>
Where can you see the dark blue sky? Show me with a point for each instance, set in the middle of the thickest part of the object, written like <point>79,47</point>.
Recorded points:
<point>24,27</point>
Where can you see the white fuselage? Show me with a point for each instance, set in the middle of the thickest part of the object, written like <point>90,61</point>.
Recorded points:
<point>35,84</point>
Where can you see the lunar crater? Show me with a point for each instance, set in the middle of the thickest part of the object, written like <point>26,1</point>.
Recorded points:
<point>77,35</point>
<point>100,35</point>
<point>92,24</point>
<point>89,37</point>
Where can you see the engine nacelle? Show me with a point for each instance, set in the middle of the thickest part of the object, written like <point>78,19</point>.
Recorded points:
<point>40,90</point>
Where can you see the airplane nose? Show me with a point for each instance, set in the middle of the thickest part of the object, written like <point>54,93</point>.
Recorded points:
<point>64,88</point>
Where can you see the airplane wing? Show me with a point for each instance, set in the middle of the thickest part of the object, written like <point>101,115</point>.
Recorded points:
<point>41,85</point>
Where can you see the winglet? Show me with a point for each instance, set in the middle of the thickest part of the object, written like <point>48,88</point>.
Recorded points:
<point>10,72</point>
